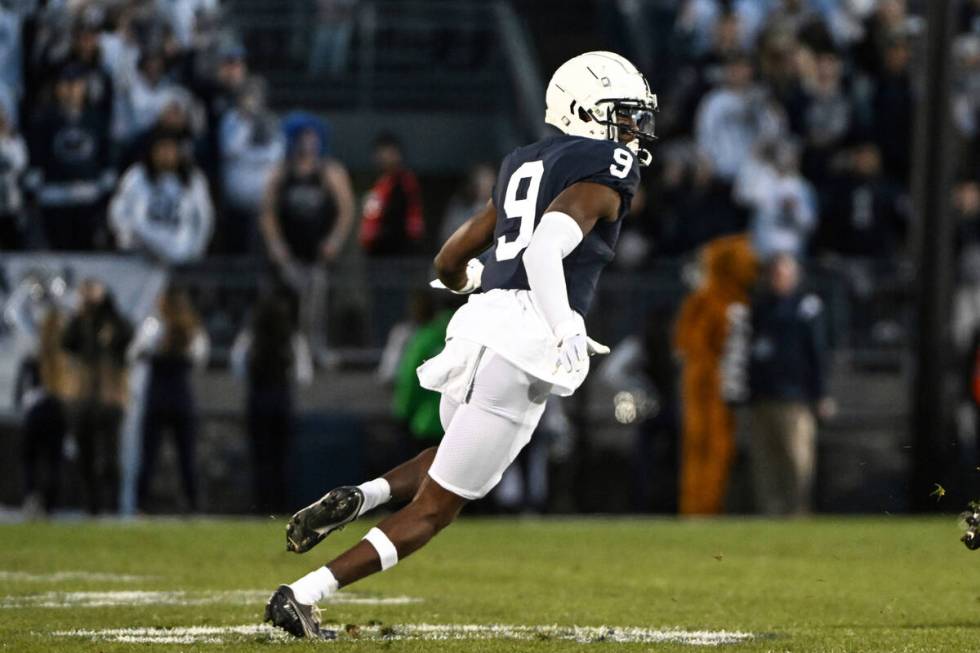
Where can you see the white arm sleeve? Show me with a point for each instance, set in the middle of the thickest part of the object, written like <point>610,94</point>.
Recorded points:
<point>555,237</point>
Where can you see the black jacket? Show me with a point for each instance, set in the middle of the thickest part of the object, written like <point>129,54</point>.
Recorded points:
<point>787,354</point>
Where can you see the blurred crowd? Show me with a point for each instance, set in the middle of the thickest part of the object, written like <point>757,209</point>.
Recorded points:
<point>137,125</point>
<point>785,128</point>
<point>92,369</point>
<point>789,119</point>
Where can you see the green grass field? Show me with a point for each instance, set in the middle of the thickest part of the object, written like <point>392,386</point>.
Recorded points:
<point>884,584</point>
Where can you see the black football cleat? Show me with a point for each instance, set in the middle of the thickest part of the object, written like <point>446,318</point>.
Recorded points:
<point>297,619</point>
<point>336,509</point>
<point>971,519</point>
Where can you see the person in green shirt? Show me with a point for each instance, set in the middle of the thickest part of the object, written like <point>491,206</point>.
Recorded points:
<point>415,406</point>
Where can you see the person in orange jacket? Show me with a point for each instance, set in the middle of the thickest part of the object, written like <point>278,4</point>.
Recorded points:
<point>729,270</point>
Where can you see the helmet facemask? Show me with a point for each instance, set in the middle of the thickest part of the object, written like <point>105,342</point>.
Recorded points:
<point>634,119</point>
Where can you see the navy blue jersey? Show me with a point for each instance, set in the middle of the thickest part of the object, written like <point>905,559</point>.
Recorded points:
<point>530,178</point>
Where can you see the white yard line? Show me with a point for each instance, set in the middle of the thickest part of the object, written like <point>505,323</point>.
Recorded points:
<point>438,632</point>
<point>67,576</point>
<point>138,598</point>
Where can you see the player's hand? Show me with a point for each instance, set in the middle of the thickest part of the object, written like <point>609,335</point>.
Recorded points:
<point>474,276</point>
<point>573,351</point>
<point>574,347</point>
<point>570,351</point>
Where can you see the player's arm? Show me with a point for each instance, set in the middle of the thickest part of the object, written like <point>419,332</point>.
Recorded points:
<point>569,217</point>
<point>472,238</point>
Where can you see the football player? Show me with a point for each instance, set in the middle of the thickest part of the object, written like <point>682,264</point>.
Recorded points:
<point>542,242</point>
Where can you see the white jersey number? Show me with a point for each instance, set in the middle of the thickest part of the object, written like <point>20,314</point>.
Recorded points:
<point>624,160</point>
<point>524,209</point>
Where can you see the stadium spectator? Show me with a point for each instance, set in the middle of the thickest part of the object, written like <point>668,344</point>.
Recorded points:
<point>779,57</point>
<point>122,43</point>
<point>421,308</point>
<point>700,336</point>
<point>691,206</point>
<point>734,117</point>
<point>332,36</point>
<point>13,163</point>
<point>891,107</point>
<point>71,170</point>
<point>309,204</point>
<point>889,21</point>
<point>783,205</point>
<point>271,356</point>
<point>218,86</point>
<point>180,117</point>
<point>865,213</point>
<point>143,96</point>
<point>96,340</point>
<point>416,408</point>
<point>163,205</point>
<point>47,385</point>
<point>251,146</point>
<point>472,197</point>
<point>827,118</point>
<point>173,344</point>
<point>391,224</point>
<point>787,388</point>
<point>45,38</point>
<point>700,70</point>
<point>307,215</point>
<point>86,49</point>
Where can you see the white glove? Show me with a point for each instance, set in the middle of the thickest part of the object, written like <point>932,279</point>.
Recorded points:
<point>575,347</point>
<point>474,275</point>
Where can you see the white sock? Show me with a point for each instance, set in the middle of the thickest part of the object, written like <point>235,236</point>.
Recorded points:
<point>376,492</point>
<point>315,586</point>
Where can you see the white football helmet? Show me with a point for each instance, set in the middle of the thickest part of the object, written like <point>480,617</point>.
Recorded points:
<point>602,95</point>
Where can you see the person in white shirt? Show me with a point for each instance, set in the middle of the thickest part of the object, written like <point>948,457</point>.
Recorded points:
<point>782,202</point>
<point>142,96</point>
<point>251,145</point>
<point>163,205</point>
<point>734,117</point>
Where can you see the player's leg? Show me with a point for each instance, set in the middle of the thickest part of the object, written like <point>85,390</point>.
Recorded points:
<point>344,504</point>
<point>484,437</point>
